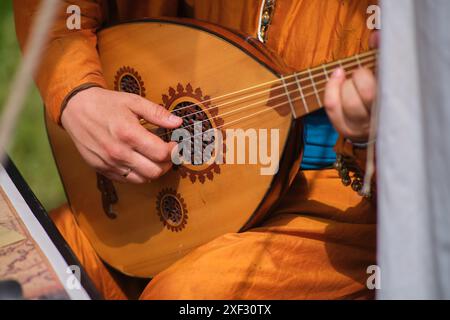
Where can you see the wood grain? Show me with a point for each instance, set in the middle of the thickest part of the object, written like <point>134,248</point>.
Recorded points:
<point>166,55</point>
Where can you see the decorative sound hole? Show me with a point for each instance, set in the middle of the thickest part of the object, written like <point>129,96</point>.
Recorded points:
<point>195,107</point>
<point>128,83</point>
<point>191,114</point>
<point>172,210</point>
<point>128,80</point>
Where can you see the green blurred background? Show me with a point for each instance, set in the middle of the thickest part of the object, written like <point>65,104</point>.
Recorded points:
<point>29,150</point>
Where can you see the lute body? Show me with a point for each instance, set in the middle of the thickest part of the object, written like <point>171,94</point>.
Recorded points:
<point>141,229</point>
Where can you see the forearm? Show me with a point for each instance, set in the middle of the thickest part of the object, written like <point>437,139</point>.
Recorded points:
<point>70,61</point>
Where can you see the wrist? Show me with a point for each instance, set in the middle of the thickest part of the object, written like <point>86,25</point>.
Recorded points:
<point>77,95</point>
<point>360,144</point>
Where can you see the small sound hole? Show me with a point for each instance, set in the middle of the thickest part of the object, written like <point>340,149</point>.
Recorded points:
<point>130,84</point>
<point>171,210</point>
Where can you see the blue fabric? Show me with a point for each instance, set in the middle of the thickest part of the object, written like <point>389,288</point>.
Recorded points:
<point>319,138</point>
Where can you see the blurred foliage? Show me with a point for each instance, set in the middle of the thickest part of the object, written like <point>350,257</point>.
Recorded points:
<point>30,149</point>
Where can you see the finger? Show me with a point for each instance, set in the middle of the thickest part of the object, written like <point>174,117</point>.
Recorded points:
<point>332,101</point>
<point>113,172</point>
<point>333,89</point>
<point>120,158</point>
<point>366,86</point>
<point>92,159</point>
<point>117,155</point>
<point>148,144</point>
<point>149,169</point>
<point>155,113</point>
<point>133,135</point>
<point>353,107</point>
<point>156,162</point>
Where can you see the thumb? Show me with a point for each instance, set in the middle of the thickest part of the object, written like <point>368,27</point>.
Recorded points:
<point>156,114</point>
<point>332,99</point>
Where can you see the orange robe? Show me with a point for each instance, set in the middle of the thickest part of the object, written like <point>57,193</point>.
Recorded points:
<point>320,240</point>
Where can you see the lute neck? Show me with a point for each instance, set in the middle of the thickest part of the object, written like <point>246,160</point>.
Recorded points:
<point>305,90</point>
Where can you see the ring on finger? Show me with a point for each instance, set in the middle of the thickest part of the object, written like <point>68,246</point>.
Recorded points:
<point>127,172</point>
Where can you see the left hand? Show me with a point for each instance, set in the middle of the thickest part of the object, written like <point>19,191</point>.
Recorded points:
<point>348,101</point>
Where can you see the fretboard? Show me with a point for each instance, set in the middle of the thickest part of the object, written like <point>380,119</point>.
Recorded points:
<point>304,91</point>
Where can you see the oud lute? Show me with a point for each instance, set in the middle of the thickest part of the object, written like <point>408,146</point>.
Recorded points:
<point>199,69</point>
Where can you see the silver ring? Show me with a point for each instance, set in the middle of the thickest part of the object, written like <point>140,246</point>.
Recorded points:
<point>127,172</point>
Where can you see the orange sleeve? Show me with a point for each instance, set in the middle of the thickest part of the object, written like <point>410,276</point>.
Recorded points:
<point>70,61</point>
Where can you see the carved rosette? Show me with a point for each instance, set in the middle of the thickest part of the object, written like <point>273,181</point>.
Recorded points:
<point>128,79</point>
<point>191,105</point>
<point>172,210</point>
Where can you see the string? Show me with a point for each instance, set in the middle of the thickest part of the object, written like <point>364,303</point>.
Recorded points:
<point>262,102</point>
<point>262,111</point>
<point>254,114</point>
<point>295,82</point>
<point>371,53</point>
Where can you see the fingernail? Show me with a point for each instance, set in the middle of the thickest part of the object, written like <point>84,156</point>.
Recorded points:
<point>174,119</point>
<point>338,73</point>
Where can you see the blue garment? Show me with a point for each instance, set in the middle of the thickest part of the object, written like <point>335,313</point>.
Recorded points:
<point>319,139</point>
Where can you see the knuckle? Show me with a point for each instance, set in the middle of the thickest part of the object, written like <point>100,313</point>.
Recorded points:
<point>132,101</point>
<point>126,134</point>
<point>134,98</point>
<point>114,152</point>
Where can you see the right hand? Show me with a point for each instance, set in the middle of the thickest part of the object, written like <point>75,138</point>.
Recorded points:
<point>105,127</point>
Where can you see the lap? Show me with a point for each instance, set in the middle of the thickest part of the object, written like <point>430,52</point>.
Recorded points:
<point>317,245</point>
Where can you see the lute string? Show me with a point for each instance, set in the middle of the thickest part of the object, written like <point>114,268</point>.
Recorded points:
<point>320,68</point>
<point>254,114</point>
<point>262,102</point>
<point>261,111</point>
<point>356,63</point>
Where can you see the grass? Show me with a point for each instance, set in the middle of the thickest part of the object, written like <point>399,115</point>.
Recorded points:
<point>29,149</point>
